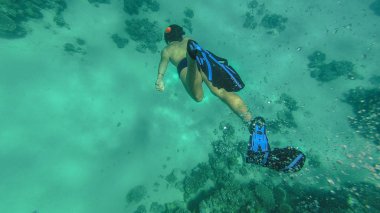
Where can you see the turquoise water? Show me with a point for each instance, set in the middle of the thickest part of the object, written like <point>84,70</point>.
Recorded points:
<point>82,128</point>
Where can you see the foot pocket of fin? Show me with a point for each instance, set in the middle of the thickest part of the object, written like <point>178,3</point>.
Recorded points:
<point>287,159</point>
<point>192,48</point>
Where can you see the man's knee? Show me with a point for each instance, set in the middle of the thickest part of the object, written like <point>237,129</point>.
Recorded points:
<point>198,98</point>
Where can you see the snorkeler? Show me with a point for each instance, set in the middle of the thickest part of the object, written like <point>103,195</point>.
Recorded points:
<point>196,65</point>
<point>190,74</point>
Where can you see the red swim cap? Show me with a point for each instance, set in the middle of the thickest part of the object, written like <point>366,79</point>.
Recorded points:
<point>168,29</point>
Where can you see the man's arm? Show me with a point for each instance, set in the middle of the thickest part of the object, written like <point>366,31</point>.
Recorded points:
<point>162,69</point>
<point>163,64</point>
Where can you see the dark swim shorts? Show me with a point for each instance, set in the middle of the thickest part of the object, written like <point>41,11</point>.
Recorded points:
<point>182,64</point>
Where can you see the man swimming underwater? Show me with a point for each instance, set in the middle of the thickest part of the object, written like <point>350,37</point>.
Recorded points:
<point>196,65</point>
<point>191,76</point>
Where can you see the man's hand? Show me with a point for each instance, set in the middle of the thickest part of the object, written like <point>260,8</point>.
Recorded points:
<point>160,85</point>
<point>165,56</point>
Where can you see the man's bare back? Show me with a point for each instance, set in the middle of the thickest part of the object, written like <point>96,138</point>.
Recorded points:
<point>176,51</point>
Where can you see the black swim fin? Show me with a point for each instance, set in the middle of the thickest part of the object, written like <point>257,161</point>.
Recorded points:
<point>217,69</point>
<point>287,159</point>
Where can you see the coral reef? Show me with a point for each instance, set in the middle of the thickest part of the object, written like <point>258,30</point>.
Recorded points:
<point>332,70</point>
<point>136,194</point>
<point>189,13</point>
<point>140,209</point>
<point>218,186</point>
<point>99,1</point>
<point>265,196</point>
<point>366,107</point>
<point>375,80</point>
<point>9,28</point>
<point>325,72</point>
<point>284,120</point>
<point>366,194</point>
<point>196,179</point>
<point>59,20</point>
<point>188,25</point>
<point>80,41</point>
<point>13,15</point>
<point>171,178</point>
<point>250,21</point>
<point>72,49</point>
<point>225,153</point>
<point>176,207</point>
<point>234,197</point>
<point>313,160</point>
<point>273,126</point>
<point>274,22</point>
<point>132,7</point>
<point>316,59</point>
<point>252,5</point>
<point>309,199</point>
<point>227,130</point>
<point>156,208</point>
<point>146,33</point>
<point>285,208</point>
<point>289,102</point>
<point>375,7</point>
<point>119,41</point>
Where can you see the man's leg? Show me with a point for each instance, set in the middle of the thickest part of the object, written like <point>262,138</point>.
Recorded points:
<point>237,105</point>
<point>193,80</point>
<point>234,101</point>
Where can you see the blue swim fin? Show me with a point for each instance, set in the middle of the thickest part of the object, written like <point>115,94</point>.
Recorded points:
<point>259,141</point>
<point>217,69</point>
<point>287,159</point>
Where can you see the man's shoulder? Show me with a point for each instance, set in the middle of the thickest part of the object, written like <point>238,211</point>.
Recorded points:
<point>166,52</point>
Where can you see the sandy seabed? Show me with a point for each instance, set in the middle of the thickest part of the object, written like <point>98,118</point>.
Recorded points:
<point>78,131</point>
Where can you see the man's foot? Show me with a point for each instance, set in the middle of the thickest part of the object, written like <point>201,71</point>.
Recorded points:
<point>259,139</point>
<point>258,148</point>
<point>192,48</point>
<point>257,120</point>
